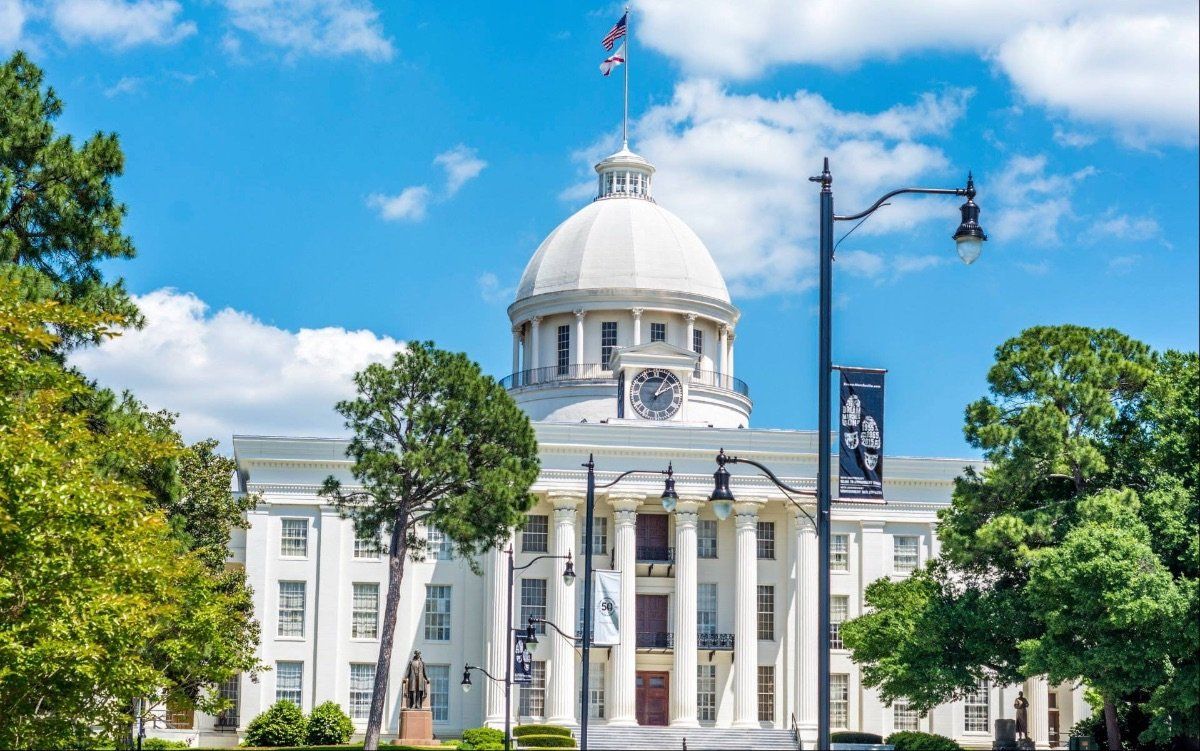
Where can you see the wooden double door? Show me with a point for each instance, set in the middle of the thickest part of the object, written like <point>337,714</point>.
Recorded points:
<point>653,697</point>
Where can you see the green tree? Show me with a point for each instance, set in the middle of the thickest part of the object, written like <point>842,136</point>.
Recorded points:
<point>1073,553</point>
<point>58,217</point>
<point>101,601</point>
<point>436,442</point>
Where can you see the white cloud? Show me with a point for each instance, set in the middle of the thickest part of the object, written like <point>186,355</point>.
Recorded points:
<point>1097,60</point>
<point>1073,139</point>
<point>319,28</point>
<point>1123,264</point>
<point>1137,72</point>
<point>491,290</point>
<point>884,268</point>
<point>461,164</point>
<point>1040,268</point>
<point>735,167</point>
<point>227,372</point>
<point>12,23</point>
<point>1124,227</point>
<point>127,85</point>
<point>119,23</point>
<point>408,205</point>
<point>1030,200</point>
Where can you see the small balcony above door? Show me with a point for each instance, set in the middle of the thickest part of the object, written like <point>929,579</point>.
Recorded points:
<point>655,556</point>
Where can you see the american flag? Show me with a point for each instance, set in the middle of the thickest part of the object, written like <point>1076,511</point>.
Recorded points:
<point>616,33</point>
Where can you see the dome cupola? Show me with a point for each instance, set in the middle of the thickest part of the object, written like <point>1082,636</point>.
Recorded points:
<point>625,175</point>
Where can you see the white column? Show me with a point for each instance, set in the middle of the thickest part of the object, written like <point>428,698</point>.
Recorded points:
<point>329,604</point>
<point>561,699</point>
<point>1037,691</point>
<point>637,325</point>
<point>806,640</point>
<point>745,639</point>
<point>579,315</point>
<point>534,325</point>
<point>874,553</point>
<point>516,365</point>
<point>732,336</point>
<point>497,645</point>
<point>683,682</point>
<point>621,707</point>
<point>256,695</point>
<point>723,353</point>
<point>691,328</point>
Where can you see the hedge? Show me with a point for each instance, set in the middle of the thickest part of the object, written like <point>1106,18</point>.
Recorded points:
<point>283,724</point>
<point>546,741</point>
<point>162,744</point>
<point>520,731</point>
<point>328,725</point>
<point>911,740</point>
<point>853,736</point>
<point>481,739</point>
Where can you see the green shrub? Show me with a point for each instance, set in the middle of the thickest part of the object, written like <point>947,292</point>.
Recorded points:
<point>520,731</point>
<point>281,725</point>
<point>911,740</point>
<point>328,725</point>
<point>481,738</point>
<point>546,741</point>
<point>162,744</point>
<point>853,736</point>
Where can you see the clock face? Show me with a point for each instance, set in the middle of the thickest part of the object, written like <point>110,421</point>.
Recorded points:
<point>656,394</point>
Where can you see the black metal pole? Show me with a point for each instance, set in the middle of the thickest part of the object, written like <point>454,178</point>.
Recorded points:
<point>508,660</point>
<point>824,478</point>
<point>590,512</point>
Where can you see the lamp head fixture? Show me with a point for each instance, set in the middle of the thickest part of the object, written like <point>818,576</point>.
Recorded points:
<point>669,497</point>
<point>466,681</point>
<point>722,497</point>
<point>569,571</point>
<point>530,632</point>
<point>969,236</point>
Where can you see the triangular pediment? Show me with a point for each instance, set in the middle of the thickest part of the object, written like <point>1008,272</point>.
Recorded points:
<point>654,355</point>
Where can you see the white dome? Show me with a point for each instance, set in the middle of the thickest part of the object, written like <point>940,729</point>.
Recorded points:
<point>623,243</point>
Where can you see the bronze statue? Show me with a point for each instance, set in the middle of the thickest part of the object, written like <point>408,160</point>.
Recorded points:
<point>1021,704</point>
<point>416,682</point>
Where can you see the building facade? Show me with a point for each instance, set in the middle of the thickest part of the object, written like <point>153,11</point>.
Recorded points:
<point>623,338</point>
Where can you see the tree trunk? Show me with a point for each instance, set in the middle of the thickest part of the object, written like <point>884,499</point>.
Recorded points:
<point>397,552</point>
<point>1110,725</point>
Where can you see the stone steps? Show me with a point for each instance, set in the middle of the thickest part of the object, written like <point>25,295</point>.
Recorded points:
<point>642,738</point>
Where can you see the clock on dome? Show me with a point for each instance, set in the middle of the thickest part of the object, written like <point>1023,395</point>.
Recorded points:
<point>656,394</point>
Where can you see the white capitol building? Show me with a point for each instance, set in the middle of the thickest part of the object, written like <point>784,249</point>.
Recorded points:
<point>623,340</point>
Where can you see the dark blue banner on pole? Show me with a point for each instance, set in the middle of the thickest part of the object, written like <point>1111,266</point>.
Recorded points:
<point>861,445</point>
<point>522,662</point>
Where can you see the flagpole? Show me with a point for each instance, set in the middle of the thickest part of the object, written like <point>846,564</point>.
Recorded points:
<point>625,117</point>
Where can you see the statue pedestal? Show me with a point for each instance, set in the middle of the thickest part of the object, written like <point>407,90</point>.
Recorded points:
<point>416,726</point>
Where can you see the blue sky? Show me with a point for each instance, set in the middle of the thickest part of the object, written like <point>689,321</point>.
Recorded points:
<point>310,183</point>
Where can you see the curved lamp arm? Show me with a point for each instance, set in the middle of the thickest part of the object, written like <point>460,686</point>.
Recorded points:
<point>969,192</point>
<point>623,475</point>
<point>485,672</point>
<point>722,459</point>
<point>561,633</point>
<point>540,557</point>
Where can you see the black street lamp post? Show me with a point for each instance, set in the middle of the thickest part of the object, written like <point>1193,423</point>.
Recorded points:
<point>969,237</point>
<point>530,635</point>
<point>668,495</point>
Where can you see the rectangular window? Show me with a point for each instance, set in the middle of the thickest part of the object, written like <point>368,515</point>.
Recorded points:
<point>536,534</point>
<point>706,609</point>
<point>533,697</point>
<point>904,717</point>
<point>839,553</point>
<point>291,608</point>
<point>766,612</point>
<point>766,540</point>
<point>976,712</point>
<point>766,693</point>
<point>364,611</point>
<point>362,686</point>
<point>596,697</point>
<point>608,342</point>
<point>564,350</point>
<point>438,546</point>
<point>367,546</point>
<point>437,612</point>
<point>293,540</point>
<point>439,691</point>
<point>599,536</point>
<point>706,538</point>
<point>231,691</point>
<point>706,693</point>
<point>658,332</point>
<point>839,610</point>
<point>698,347</point>
<point>533,602</point>
<point>289,678</point>
<point>839,700</point>
<point>905,553</point>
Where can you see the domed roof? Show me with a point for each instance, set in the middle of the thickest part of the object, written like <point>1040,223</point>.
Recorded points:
<point>623,240</point>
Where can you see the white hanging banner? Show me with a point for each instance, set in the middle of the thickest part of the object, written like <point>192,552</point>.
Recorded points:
<point>606,615</point>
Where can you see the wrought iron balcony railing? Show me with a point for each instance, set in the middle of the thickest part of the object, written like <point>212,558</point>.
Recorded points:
<point>666,640</point>
<point>652,554</point>
<point>592,371</point>
<point>722,642</point>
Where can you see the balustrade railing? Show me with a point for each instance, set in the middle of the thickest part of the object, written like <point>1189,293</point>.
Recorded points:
<point>594,371</point>
<point>723,642</point>
<point>666,640</point>
<point>653,554</point>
